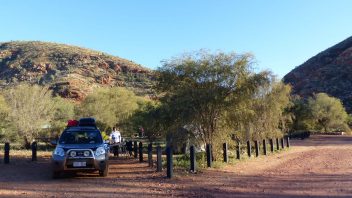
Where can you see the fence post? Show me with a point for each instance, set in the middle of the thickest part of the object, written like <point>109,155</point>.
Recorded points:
<point>277,144</point>
<point>135,149</point>
<point>271,145</point>
<point>249,148</point>
<point>116,150</point>
<point>209,156</point>
<point>140,152</point>
<point>282,143</point>
<point>158,159</point>
<point>7,153</point>
<point>238,150</point>
<point>225,148</point>
<point>288,141</point>
<point>264,146</point>
<point>34,151</point>
<point>150,154</point>
<point>193,159</point>
<point>256,145</point>
<point>169,162</point>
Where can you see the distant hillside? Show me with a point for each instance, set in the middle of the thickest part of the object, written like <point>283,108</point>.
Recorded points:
<point>71,71</point>
<point>329,71</point>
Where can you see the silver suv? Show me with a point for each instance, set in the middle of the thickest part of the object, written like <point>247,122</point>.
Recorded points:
<point>80,149</point>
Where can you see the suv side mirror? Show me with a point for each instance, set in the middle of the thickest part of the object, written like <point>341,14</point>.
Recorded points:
<point>53,142</point>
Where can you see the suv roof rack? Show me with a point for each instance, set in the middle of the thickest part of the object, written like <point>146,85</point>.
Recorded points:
<point>89,122</point>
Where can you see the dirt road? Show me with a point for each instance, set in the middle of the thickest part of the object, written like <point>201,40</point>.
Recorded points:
<point>318,167</point>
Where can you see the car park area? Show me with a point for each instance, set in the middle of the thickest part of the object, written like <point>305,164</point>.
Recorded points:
<point>318,166</point>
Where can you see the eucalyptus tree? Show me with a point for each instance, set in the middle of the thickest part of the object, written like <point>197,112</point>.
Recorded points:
<point>110,106</point>
<point>32,108</point>
<point>328,112</point>
<point>5,129</point>
<point>200,87</point>
<point>63,111</point>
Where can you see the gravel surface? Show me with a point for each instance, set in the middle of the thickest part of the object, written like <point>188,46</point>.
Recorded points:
<point>320,166</point>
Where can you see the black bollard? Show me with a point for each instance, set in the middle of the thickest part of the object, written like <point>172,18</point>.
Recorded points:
<point>116,150</point>
<point>158,159</point>
<point>135,149</point>
<point>238,150</point>
<point>140,152</point>
<point>282,143</point>
<point>7,153</point>
<point>150,154</point>
<point>249,150</point>
<point>256,145</point>
<point>288,142</point>
<point>193,159</point>
<point>264,146</point>
<point>272,145</point>
<point>209,156</point>
<point>224,148</point>
<point>34,151</point>
<point>277,144</point>
<point>169,163</point>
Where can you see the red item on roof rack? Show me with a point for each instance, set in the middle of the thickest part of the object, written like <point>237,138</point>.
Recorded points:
<point>71,123</point>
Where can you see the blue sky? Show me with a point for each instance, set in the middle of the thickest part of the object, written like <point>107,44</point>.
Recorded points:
<point>281,34</point>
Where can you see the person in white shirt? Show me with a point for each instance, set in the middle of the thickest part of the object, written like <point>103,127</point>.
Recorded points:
<point>115,136</point>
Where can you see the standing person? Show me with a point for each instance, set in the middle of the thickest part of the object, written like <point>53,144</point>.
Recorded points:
<point>115,136</point>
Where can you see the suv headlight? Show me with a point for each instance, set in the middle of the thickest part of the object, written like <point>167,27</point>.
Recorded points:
<point>59,151</point>
<point>73,153</point>
<point>86,153</point>
<point>100,151</point>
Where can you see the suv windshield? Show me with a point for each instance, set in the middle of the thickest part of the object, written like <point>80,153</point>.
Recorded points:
<point>81,137</point>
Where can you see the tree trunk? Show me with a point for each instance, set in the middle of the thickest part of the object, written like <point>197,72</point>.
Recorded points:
<point>248,131</point>
<point>27,143</point>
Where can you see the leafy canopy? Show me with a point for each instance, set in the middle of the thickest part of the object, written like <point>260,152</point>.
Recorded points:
<point>32,108</point>
<point>328,112</point>
<point>198,89</point>
<point>110,106</point>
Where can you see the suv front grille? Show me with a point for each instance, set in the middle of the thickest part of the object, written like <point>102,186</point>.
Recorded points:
<point>79,153</point>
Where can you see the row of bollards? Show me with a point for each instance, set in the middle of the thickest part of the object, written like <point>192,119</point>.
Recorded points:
<point>238,150</point>
<point>271,142</point>
<point>210,157</point>
<point>34,149</point>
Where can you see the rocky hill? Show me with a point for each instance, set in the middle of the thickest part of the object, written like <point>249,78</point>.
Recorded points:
<point>71,71</point>
<point>329,71</point>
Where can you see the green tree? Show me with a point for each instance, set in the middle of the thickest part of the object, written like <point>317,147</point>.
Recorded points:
<point>63,111</point>
<point>262,111</point>
<point>150,117</point>
<point>328,112</point>
<point>5,125</point>
<point>31,107</point>
<point>198,89</point>
<point>302,117</point>
<point>110,106</point>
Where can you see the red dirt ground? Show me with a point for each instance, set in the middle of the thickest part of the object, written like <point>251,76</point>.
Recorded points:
<point>320,166</point>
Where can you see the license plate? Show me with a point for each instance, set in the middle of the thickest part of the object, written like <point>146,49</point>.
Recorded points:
<point>79,164</point>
